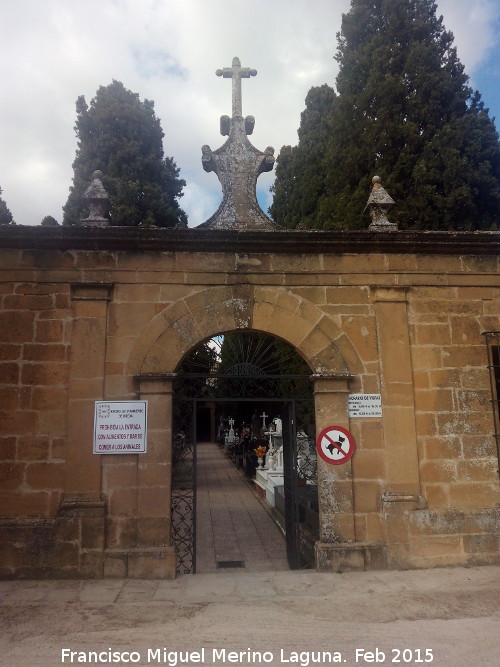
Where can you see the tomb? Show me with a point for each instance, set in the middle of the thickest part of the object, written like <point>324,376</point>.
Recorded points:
<point>270,476</point>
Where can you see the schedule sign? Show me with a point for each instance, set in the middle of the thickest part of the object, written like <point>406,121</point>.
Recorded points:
<point>120,427</point>
<point>365,405</point>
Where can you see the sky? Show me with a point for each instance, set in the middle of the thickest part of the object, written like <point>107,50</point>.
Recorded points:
<point>167,51</point>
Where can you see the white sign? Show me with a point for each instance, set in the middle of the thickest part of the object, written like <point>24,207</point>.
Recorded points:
<point>365,405</point>
<point>120,427</point>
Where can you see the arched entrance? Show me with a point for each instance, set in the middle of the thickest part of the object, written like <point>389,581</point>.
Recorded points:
<point>249,390</point>
<point>167,340</point>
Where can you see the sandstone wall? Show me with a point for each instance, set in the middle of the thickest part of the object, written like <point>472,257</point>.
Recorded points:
<point>83,325</point>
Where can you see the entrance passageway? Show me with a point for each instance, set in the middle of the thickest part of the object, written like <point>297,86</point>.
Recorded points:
<point>233,529</point>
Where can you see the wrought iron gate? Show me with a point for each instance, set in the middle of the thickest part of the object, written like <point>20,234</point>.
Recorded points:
<point>184,484</point>
<point>301,484</point>
<point>297,500</point>
<point>247,367</point>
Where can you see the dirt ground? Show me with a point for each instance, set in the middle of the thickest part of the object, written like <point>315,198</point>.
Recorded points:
<point>441,617</point>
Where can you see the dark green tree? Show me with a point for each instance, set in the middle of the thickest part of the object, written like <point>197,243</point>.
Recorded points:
<point>49,221</point>
<point>5,214</point>
<point>402,110</point>
<point>301,170</point>
<point>121,136</point>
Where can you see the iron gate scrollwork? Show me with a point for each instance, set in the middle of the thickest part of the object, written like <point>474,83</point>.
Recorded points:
<point>301,509</point>
<point>184,485</point>
<point>247,368</point>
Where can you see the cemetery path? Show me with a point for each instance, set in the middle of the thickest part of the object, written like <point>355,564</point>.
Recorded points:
<point>233,530</point>
<point>443,617</point>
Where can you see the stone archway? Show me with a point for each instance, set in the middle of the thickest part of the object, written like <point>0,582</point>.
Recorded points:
<point>187,322</point>
<point>176,330</point>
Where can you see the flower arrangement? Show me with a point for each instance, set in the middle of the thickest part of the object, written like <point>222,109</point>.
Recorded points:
<point>260,451</point>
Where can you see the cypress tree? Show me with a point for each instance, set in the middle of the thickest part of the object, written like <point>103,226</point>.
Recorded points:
<point>301,171</point>
<point>403,110</point>
<point>49,221</point>
<point>121,136</point>
<point>5,214</point>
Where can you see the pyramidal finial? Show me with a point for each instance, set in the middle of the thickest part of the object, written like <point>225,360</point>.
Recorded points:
<point>98,202</point>
<point>378,204</point>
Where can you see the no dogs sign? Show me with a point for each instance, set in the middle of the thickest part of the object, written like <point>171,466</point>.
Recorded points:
<point>335,445</point>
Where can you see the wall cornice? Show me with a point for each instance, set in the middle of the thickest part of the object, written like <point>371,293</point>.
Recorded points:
<point>149,239</point>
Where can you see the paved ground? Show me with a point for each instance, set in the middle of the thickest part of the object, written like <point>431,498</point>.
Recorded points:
<point>439,617</point>
<point>447,615</point>
<point>232,525</point>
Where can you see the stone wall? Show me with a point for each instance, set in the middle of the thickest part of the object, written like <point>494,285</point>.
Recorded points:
<point>92,315</point>
<point>35,325</point>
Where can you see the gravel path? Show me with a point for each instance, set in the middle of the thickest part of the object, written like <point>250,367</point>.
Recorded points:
<point>440,617</point>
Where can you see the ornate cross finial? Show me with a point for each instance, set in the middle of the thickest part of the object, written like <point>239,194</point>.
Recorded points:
<point>237,164</point>
<point>236,73</point>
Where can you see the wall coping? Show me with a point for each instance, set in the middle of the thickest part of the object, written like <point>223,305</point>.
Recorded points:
<point>150,239</point>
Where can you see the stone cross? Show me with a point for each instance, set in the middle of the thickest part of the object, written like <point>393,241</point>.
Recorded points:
<point>264,417</point>
<point>278,425</point>
<point>236,73</point>
<point>238,164</point>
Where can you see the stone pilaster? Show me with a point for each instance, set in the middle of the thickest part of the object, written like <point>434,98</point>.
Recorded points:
<point>398,400</point>
<point>335,490</point>
<point>153,557</point>
<point>154,478</point>
<point>82,497</point>
<point>86,385</point>
<point>398,405</point>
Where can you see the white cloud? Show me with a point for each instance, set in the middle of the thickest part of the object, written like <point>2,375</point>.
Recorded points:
<point>168,51</point>
<point>473,26</point>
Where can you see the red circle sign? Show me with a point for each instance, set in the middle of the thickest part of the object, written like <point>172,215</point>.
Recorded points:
<point>335,445</point>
